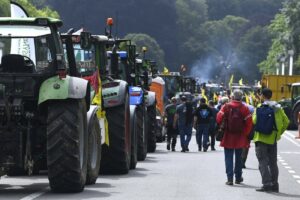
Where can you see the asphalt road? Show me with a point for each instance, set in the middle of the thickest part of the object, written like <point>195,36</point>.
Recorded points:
<point>174,175</point>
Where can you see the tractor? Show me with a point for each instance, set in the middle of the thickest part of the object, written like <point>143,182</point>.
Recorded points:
<point>47,122</point>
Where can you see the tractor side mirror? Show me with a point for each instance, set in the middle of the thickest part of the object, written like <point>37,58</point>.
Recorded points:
<point>85,40</point>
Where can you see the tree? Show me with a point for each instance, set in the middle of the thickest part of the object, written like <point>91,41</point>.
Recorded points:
<point>252,50</point>
<point>34,12</point>
<point>154,51</point>
<point>4,8</point>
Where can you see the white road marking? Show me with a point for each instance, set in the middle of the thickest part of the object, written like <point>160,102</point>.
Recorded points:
<point>291,171</point>
<point>296,176</point>
<point>287,167</point>
<point>284,163</point>
<point>34,195</point>
<point>291,140</point>
<point>290,152</point>
<point>298,181</point>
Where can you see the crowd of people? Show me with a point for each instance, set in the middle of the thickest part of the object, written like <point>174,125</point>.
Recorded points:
<point>241,123</point>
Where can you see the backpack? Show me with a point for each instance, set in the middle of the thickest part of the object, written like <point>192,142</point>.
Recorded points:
<point>265,120</point>
<point>203,113</point>
<point>234,119</point>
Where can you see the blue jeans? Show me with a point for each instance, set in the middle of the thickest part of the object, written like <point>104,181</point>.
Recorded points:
<point>202,132</point>
<point>229,163</point>
<point>185,132</point>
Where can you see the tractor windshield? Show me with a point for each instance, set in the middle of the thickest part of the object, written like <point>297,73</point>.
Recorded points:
<point>85,60</point>
<point>32,46</point>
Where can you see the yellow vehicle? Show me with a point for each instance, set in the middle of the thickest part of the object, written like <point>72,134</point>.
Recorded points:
<point>280,85</point>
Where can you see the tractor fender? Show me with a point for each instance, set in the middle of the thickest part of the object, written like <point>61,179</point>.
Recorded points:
<point>150,98</point>
<point>114,95</point>
<point>55,88</point>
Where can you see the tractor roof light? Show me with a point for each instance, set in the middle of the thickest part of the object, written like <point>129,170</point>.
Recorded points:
<point>144,49</point>
<point>110,21</point>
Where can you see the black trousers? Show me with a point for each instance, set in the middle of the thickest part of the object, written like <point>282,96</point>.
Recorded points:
<point>172,136</point>
<point>267,160</point>
<point>212,134</point>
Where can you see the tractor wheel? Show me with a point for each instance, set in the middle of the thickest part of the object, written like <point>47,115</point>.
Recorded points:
<point>67,145</point>
<point>116,156</point>
<point>152,126</point>
<point>295,115</point>
<point>94,152</point>
<point>133,129</point>
<point>142,133</point>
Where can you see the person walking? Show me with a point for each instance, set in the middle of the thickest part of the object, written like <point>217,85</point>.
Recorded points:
<point>270,123</point>
<point>184,118</point>
<point>202,117</point>
<point>212,125</point>
<point>238,123</point>
<point>246,150</point>
<point>170,111</point>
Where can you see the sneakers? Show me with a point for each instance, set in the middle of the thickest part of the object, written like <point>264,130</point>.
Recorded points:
<point>229,182</point>
<point>264,189</point>
<point>205,150</point>
<point>199,149</point>
<point>187,149</point>
<point>173,149</point>
<point>239,181</point>
<point>168,146</point>
<point>213,148</point>
<point>183,150</point>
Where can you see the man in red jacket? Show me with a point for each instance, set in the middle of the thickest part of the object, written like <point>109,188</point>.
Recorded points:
<point>238,123</point>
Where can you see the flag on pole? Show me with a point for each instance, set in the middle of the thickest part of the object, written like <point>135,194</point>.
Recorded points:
<point>241,81</point>
<point>165,71</point>
<point>230,81</point>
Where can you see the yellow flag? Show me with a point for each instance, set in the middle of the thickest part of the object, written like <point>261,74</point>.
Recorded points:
<point>203,94</point>
<point>165,71</point>
<point>241,81</point>
<point>230,81</point>
<point>215,97</point>
<point>247,99</point>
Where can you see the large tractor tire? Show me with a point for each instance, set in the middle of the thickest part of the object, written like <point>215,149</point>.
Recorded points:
<point>142,133</point>
<point>152,126</point>
<point>295,112</point>
<point>67,145</point>
<point>116,156</point>
<point>133,130</point>
<point>94,151</point>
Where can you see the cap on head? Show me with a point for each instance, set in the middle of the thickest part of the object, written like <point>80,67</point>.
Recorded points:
<point>224,100</point>
<point>237,95</point>
<point>183,98</point>
<point>267,93</point>
<point>173,99</point>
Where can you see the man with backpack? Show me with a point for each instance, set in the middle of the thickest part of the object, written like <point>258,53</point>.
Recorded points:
<point>270,123</point>
<point>202,117</point>
<point>238,123</point>
<point>170,111</point>
<point>184,117</point>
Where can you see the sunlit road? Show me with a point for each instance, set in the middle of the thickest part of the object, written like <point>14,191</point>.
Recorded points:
<point>175,175</point>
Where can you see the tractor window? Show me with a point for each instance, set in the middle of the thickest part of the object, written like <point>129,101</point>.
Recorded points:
<point>85,60</point>
<point>32,44</point>
<point>39,50</point>
<point>296,92</point>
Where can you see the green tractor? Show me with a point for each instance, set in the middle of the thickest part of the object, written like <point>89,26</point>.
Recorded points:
<point>46,118</point>
<point>107,64</point>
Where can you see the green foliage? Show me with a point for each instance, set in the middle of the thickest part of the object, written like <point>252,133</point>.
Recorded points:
<point>154,52</point>
<point>34,12</point>
<point>252,49</point>
<point>4,8</point>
